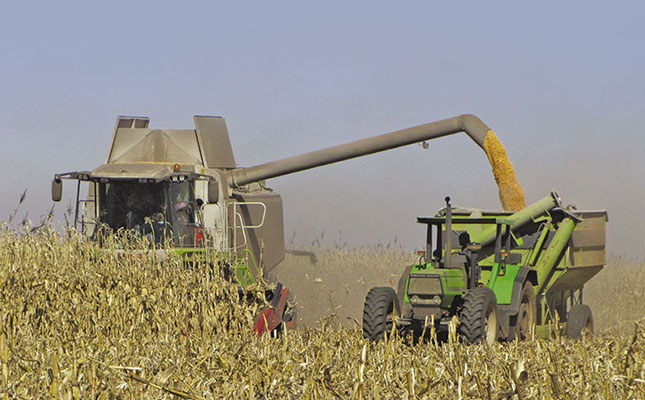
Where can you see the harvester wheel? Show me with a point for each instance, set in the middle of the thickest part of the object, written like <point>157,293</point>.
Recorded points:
<point>381,306</point>
<point>478,319</point>
<point>526,317</point>
<point>579,321</point>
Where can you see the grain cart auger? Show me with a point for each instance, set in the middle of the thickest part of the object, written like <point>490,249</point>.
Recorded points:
<point>504,275</point>
<point>182,188</point>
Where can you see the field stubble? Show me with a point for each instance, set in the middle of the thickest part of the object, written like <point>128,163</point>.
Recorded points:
<point>79,326</point>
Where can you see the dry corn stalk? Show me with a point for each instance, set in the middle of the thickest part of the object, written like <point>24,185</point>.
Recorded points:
<point>80,326</point>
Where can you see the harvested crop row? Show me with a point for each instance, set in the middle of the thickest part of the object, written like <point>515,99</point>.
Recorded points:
<point>78,325</point>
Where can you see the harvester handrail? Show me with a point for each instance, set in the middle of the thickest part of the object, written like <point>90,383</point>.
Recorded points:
<point>241,226</point>
<point>250,203</point>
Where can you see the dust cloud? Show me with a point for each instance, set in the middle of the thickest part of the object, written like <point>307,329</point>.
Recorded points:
<point>336,285</point>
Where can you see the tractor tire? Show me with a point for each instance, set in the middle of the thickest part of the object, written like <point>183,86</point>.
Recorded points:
<point>579,321</point>
<point>526,316</point>
<point>479,317</point>
<point>381,305</point>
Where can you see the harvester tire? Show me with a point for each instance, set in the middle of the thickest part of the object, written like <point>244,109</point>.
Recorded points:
<point>479,317</point>
<point>526,316</point>
<point>579,321</point>
<point>381,307</point>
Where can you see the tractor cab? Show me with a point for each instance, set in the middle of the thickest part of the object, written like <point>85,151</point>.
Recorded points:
<point>451,245</point>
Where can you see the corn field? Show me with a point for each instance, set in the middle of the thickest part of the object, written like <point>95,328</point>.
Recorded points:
<point>81,323</point>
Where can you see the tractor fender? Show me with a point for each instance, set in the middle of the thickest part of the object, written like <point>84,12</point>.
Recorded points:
<point>400,291</point>
<point>524,274</point>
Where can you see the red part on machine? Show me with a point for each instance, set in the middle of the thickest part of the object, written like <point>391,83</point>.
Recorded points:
<point>271,317</point>
<point>199,236</point>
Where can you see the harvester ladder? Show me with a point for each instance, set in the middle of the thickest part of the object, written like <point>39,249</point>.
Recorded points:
<point>81,203</point>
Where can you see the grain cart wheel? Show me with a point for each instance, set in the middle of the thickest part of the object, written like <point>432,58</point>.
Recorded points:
<point>526,317</point>
<point>381,305</point>
<point>579,321</point>
<point>478,319</point>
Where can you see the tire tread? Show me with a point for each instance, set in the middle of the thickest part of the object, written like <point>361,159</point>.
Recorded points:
<point>473,315</point>
<point>375,310</point>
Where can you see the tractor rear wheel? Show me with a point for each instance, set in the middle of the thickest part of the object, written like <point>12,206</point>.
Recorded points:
<point>381,306</point>
<point>526,317</point>
<point>478,318</point>
<point>579,321</point>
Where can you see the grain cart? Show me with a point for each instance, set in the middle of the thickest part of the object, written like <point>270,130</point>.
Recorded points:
<point>182,189</point>
<point>501,274</point>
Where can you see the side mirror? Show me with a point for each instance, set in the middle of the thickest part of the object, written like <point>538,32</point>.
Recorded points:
<point>213,192</point>
<point>57,189</point>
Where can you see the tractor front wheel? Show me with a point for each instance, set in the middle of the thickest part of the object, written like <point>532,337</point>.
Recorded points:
<point>478,318</point>
<point>381,306</point>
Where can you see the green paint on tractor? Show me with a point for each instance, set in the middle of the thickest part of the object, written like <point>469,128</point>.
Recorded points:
<point>503,275</point>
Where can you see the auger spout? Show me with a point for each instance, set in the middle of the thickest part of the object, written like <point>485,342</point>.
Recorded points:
<point>470,124</point>
<point>522,217</point>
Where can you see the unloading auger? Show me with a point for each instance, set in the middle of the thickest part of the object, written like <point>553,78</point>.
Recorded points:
<point>511,194</point>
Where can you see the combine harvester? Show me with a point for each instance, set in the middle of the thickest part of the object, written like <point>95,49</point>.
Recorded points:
<point>182,189</point>
<point>503,275</point>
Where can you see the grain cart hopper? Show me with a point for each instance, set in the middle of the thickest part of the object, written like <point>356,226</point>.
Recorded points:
<point>502,274</point>
<point>182,188</point>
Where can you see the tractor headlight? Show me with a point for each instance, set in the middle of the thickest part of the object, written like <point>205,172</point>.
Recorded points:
<point>417,300</point>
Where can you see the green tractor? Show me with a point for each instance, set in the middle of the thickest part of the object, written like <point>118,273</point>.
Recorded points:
<point>503,275</point>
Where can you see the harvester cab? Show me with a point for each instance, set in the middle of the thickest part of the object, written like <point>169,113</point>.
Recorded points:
<point>161,209</point>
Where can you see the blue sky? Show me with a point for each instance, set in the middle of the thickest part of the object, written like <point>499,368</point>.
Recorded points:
<point>561,84</point>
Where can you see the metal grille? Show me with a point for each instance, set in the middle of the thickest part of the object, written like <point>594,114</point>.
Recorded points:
<point>424,285</point>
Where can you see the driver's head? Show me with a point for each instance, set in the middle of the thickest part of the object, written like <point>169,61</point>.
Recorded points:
<point>179,206</point>
<point>464,239</point>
